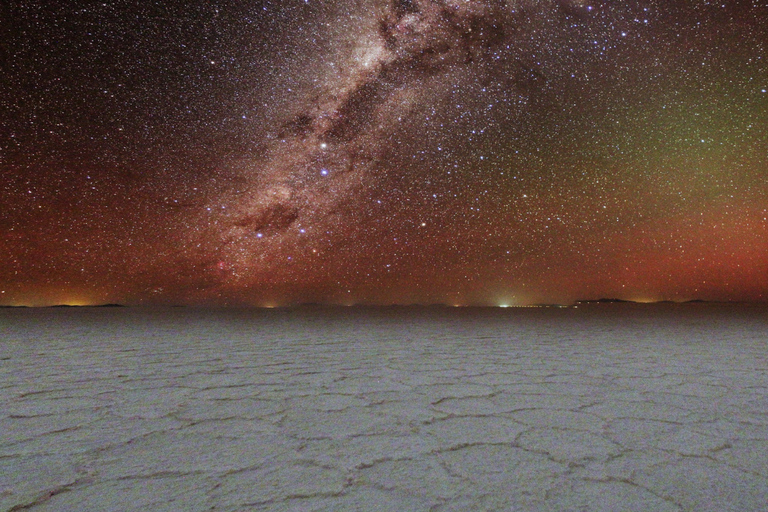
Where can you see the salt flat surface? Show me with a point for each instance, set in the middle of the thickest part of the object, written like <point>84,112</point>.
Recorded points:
<point>604,408</point>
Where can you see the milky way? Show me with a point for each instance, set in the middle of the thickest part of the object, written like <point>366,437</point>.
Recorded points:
<point>411,56</point>
<point>371,151</point>
<point>342,135</point>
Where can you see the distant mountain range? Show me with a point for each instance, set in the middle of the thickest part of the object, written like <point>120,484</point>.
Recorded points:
<point>315,305</point>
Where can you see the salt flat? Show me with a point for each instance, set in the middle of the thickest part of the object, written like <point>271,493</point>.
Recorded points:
<point>604,408</point>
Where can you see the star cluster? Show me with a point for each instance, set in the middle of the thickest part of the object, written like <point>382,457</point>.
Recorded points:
<point>384,151</point>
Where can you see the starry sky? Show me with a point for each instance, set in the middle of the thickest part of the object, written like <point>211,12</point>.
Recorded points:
<point>464,152</point>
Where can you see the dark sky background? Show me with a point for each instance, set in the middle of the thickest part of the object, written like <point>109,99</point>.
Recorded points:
<point>383,151</point>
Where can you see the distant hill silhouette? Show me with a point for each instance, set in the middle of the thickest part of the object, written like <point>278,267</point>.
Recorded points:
<point>606,301</point>
<point>111,305</point>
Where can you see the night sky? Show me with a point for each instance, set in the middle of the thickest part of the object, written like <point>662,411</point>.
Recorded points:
<point>472,152</point>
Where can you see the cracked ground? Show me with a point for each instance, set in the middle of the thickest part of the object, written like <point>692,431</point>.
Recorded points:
<point>601,408</point>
